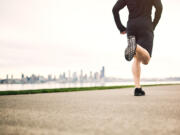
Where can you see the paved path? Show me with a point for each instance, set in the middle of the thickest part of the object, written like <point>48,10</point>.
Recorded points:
<point>103,112</point>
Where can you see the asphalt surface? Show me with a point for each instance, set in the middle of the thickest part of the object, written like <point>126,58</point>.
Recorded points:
<point>101,112</point>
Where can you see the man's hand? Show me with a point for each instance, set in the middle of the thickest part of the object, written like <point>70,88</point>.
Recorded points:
<point>124,32</point>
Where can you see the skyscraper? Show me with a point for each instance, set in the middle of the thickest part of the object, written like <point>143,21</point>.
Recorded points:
<point>91,75</point>
<point>49,77</point>
<point>102,72</point>
<point>11,77</point>
<point>64,75</point>
<point>69,75</point>
<point>96,76</point>
<point>74,77</point>
<point>81,75</point>
<point>22,76</point>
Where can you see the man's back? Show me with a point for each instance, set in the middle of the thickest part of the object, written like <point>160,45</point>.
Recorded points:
<point>139,8</point>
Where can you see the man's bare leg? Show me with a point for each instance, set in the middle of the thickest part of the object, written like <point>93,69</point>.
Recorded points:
<point>136,70</point>
<point>143,56</point>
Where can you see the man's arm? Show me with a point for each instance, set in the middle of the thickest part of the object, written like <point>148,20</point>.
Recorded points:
<point>159,7</point>
<point>117,7</point>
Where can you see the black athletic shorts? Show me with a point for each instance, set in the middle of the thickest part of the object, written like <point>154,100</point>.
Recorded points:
<point>142,29</point>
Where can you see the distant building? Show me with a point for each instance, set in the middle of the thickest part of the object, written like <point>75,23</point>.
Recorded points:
<point>69,75</point>
<point>22,76</point>
<point>60,76</point>
<point>85,77</point>
<point>91,75</point>
<point>64,75</point>
<point>49,77</point>
<point>54,78</point>
<point>96,76</point>
<point>33,78</point>
<point>11,77</point>
<point>81,75</point>
<point>42,79</point>
<point>75,77</point>
<point>102,74</point>
<point>23,79</point>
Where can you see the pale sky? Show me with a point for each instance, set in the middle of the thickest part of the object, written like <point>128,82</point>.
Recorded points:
<point>52,36</point>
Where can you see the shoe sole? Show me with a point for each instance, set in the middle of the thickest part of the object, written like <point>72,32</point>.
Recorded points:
<point>139,95</point>
<point>131,48</point>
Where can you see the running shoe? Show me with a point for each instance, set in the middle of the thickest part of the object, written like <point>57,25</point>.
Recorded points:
<point>131,48</point>
<point>139,92</point>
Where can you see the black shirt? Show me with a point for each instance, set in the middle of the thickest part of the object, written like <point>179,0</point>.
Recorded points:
<point>137,8</point>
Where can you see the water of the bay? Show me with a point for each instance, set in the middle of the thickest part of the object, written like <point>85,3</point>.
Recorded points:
<point>7,87</point>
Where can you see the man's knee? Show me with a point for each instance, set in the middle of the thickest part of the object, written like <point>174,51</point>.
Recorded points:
<point>146,61</point>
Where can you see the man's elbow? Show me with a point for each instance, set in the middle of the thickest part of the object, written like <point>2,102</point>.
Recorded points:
<point>115,10</point>
<point>160,8</point>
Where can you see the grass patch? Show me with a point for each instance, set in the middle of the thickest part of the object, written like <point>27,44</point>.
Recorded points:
<point>36,91</point>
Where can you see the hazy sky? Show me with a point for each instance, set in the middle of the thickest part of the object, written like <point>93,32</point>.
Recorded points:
<point>52,36</point>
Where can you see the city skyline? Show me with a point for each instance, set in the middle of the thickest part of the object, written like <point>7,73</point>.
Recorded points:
<point>62,76</point>
<point>74,77</point>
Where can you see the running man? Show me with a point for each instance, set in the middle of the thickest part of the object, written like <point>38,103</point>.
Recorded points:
<point>140,33</point>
